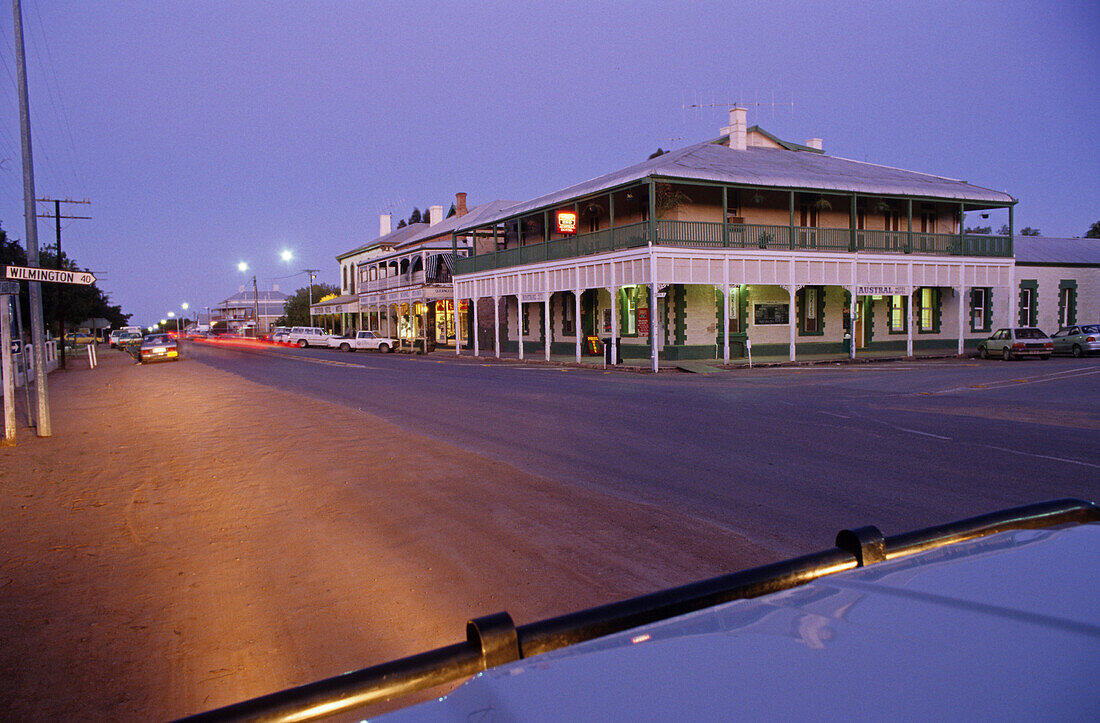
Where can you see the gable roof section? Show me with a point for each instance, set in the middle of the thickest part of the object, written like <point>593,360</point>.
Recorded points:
<point>393,238</point>
<point>472,217</point>
<point>798,167</point>
<point>1044,251</point>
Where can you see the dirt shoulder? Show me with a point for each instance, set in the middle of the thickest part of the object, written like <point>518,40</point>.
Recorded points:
<point>188,539</point>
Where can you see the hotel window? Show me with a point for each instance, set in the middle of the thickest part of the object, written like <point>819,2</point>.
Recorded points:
<point>628,310</point>
<point>568,307</point>
<point>979,309</point>
<point>1029,308</point>
<point>928,321</point>
<point>898,317</point>
<point>810,310</point>
<point>1067,303</point>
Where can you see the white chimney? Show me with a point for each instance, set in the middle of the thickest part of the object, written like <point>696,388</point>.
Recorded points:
<point>435,215</point>
<point>274,287</point>
<point>384,222</point>
<point>738,128</point>
<point>814,143</point>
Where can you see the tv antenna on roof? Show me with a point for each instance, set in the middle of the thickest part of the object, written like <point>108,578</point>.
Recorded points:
<point>391,203</point>
<point>698,105</point>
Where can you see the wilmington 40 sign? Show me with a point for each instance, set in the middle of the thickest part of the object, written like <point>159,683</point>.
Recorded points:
<point>56,276</point>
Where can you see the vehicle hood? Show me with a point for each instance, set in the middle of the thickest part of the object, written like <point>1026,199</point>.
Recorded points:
<point>1003,627</point>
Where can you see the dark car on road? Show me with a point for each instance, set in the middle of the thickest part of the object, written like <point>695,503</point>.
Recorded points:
<point>159,347</point>
<point>1079,340</point>
<point>1016,343</point>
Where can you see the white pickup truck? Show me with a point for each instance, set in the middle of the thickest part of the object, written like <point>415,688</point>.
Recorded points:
<point>362,340</point>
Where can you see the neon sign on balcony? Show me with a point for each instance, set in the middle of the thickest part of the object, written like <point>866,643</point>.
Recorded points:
<point>566,222</point>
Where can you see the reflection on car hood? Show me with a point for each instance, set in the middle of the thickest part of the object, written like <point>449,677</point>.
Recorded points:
<point>1007,626</point>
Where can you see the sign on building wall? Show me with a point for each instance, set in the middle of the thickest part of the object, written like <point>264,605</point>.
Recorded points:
<point>881,290</point>
<point>566,222</point>
<point>643,321</point>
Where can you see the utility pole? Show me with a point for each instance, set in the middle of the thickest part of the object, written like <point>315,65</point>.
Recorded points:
<point>34,288</point>
<point>312,275</point>
<point>256,301</point>
<point>60,292</point>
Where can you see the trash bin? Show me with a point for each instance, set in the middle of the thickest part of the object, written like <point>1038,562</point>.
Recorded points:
<point>607,350</point>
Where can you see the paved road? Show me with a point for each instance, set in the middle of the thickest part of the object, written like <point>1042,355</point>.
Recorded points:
<point>785,456</point>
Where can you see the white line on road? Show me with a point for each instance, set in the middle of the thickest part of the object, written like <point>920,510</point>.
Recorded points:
<point>1041,456</point>
<point>833,414</point>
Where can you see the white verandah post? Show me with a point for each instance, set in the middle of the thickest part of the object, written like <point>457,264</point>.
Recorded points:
<point>473,306</point>
<point>496,326</point>
<point>519,324</point>
<point>962,319</point>
<point>577,320</point>
<point>458,329</point>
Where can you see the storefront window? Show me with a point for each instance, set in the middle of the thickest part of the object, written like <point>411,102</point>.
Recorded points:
<point>444,321</point>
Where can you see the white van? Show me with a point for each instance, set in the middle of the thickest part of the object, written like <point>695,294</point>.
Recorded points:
<point>305,336</point>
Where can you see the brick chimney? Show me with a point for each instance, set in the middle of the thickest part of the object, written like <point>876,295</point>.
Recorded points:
<point>384,221</point>
<point>814,143</point>
<point>460,204</point>
<point>435,215</point>
<point>738,128</point>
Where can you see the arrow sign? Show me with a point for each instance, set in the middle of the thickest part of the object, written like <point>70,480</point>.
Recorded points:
<point>56,276</point>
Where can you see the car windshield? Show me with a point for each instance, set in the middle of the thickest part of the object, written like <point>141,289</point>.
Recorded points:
<point>156,339</point>
<point>1030,334</point>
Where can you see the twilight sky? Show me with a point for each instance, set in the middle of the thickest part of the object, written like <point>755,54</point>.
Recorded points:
<point>208,133</point>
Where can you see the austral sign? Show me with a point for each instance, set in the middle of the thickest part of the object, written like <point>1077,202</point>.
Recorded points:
<point>55,276</point>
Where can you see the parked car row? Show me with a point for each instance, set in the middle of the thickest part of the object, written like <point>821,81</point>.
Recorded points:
<point>307,336</point>
<point>1020,342</point>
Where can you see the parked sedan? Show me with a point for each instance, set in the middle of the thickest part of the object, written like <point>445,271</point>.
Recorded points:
<point>159,347</point>
<point>1016,343</point>
<point>79,337</point>
<point>1077,340</point>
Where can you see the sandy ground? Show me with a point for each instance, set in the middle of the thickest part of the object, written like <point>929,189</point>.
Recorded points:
<point>188,539</point>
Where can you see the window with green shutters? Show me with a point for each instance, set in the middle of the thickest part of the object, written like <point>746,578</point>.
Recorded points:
<point>898,320</point>
<point>810,301</point>
<point>981,309</point>
<point>1067,303</point>
<point>928,310</point>
<point>1029,302</point>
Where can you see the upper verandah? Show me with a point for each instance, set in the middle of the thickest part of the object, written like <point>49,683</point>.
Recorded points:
<point>769,163</point>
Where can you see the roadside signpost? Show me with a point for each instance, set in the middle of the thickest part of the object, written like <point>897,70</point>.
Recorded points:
<point>9,289</point>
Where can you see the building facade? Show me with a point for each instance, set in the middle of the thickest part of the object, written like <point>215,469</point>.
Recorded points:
<point>744,244</point>
<point>250,311</point>
<point>1057,282</point>
<point>406,293</point>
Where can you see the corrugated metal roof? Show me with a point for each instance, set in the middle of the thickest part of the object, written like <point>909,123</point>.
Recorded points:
<point>249,297</point>
<point>1054,251</point>
<point>769,167</point>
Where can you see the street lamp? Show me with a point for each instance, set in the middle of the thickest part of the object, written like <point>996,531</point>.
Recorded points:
<point>185,306</point>
<point>312,275</point>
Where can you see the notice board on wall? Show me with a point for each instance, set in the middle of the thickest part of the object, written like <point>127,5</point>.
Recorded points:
<point>764,314</point>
